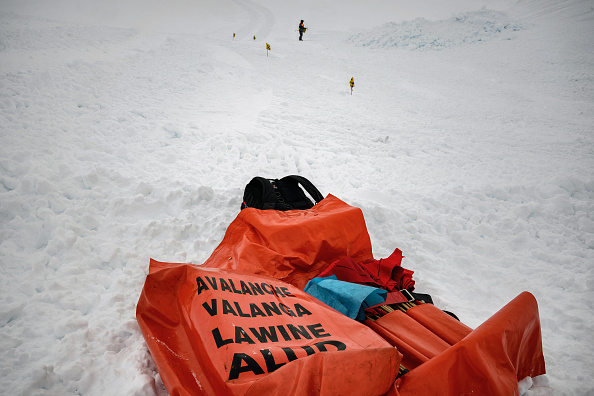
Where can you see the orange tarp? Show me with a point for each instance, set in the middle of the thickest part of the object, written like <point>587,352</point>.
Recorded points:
<point>296,245</point>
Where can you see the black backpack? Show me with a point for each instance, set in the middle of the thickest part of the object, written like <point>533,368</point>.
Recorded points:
<point>280,194</point>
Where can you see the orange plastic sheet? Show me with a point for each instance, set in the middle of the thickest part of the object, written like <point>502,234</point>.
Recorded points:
<point>296,245</point>
<point>223,332</point>
<point>488,361</point>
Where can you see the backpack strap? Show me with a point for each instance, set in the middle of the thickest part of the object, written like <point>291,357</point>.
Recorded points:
<point>307,185</point>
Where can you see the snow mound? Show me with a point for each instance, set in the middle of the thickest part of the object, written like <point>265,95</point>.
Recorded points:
<point>421,34</point>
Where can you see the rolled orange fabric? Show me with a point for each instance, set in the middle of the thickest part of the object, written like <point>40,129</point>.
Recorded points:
<point>411,358</point>
<point>415,342</point>
<point>440,323</point>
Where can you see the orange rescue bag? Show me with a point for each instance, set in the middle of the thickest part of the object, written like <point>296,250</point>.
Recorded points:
<point>224,332</point>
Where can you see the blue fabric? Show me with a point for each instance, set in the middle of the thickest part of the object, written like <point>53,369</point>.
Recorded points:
<point>348,298</point>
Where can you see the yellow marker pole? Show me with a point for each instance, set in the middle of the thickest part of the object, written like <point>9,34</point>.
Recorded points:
<point>352,84</point>
<point>267,49</point>
<point>233,36</point>
<point>254,38</point>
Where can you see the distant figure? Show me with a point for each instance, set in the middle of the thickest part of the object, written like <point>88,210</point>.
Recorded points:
<point>301,30</point>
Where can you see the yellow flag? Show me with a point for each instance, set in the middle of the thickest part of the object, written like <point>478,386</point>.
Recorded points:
<point>267,46</point>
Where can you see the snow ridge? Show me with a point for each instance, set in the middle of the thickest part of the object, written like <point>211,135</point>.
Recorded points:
<point>421,34</point>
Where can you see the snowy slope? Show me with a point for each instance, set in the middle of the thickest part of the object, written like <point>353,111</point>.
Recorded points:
<point>128,130</point>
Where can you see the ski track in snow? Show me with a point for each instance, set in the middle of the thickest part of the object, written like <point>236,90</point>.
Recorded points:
<point>259,16</point>
<point>122,144</point>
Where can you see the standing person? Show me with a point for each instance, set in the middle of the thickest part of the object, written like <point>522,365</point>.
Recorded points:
<point>301,30</point>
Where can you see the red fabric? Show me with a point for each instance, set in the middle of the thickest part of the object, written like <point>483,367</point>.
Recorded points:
<point>489,361</point>
<point>296,245</point>
<point>348,270</point>
<point>385,273</point>
<point>395,297</point>
<point>388,272</point>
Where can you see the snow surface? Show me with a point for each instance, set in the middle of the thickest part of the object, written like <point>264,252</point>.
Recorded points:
<point>129,129</point>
